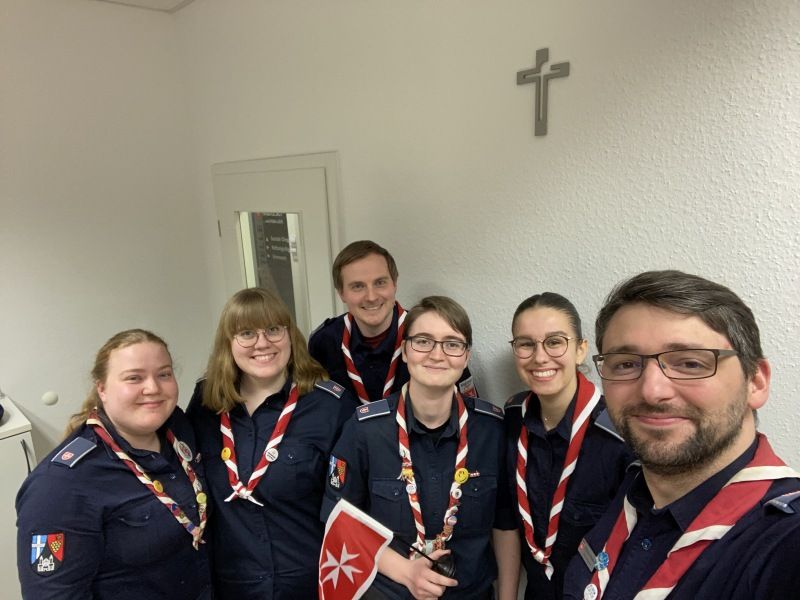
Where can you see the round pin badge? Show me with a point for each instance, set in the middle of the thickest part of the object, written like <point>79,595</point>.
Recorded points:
<point>461,475</point>
<point>271,454</point>
<point>411,488</point>
<point>456,493</point>
<point>202,498</point>
<point>185,451</point>
<point>157,486</point>
<point>590,592</point>
<point>452,520</point>
<point>225,454</point>
<point>602,561</point>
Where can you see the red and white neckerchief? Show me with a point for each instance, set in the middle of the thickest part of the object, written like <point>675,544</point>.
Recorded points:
<point>738,496</point>
<point>269,455</point>
<point>460,475</point>
<point>185,454</point>
<point>352,371</point>
<point>588,397</point>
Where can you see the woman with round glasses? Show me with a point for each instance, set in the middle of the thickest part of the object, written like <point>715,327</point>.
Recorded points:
<point>266,418</point>
<point>560,442</point>
<point>118,510</point>
<point>429,464</point>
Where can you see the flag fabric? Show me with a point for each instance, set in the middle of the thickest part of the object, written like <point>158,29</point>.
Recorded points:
<point>351,547</point>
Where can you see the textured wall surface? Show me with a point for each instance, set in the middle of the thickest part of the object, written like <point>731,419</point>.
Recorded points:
<point>672,144</point>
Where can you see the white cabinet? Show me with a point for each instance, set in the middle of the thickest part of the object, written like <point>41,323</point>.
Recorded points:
<point>16,460</point>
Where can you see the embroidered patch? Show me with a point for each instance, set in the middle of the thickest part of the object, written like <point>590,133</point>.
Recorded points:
<point>337,471</point>
<point>47,553</point>
<point>467,387</point>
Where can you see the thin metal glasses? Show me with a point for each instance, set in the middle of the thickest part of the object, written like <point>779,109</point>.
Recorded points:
<point>421,343</point>
<point>690,363</point>
<point>554,346</point>
<point>247,338</point>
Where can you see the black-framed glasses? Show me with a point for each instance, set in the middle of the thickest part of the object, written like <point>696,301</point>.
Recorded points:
<point>247,338</point>
<point>689,363</point>
<point>421,343</point>
<point>554,346</point>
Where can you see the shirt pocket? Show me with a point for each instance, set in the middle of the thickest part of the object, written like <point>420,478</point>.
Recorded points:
<point>298,472</point>
<point>389,505</point>
<point>135,533</point>
<point>577,518</point>
<point>478,498</point>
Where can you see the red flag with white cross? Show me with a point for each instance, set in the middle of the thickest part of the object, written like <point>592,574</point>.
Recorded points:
<point>348,560</point>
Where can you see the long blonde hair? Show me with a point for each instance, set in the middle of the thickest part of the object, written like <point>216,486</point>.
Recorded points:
<point>99,372</point>
<point>253,308</point>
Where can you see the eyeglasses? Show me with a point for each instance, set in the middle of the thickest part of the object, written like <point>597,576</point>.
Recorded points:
<point>554,346</point>
<point>692,363</point>
<point>247,338</point>
<point>420,343</point>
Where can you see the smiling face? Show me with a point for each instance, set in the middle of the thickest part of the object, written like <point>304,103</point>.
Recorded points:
<point>553,380</point>
<point>140,391</point>
<point>264,363</point>
<point>369,293</point>
<point>680,426</point>
<point>434,370</point>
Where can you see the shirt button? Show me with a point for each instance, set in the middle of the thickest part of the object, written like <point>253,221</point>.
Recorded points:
<point>434,478</point>
<point>395,492</point>
<point>290,455</point>
<point>646,544</point>
<point>172,476</point>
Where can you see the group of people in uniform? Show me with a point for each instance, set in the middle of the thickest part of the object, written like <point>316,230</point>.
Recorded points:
<point>657,486</point>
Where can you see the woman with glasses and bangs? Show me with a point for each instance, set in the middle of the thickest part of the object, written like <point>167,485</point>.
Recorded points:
<point>266,417</point>
<point>560,442</point>
<point>429,463</point>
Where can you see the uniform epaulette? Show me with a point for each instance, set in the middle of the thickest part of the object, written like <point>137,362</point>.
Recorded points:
<point>331,387</point>
<point>487,408</point>
<point>516,401</point>
<point>373,409</point>
<point>784,503</point>
<point>322,325</point>
<point>70,454</point>
<point>603,421</point>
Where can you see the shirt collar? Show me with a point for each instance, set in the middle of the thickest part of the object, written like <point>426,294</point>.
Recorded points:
<point>534,424</point>
<point>685,509</point>
<point>387,345</point>
<point>274,401</point>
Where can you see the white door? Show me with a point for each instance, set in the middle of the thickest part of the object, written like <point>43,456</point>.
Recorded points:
<point>277,229</point>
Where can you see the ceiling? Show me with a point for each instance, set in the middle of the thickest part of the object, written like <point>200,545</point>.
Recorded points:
<point>169,6</point>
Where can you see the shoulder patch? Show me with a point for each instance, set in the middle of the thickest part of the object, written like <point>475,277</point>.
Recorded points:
<point>331,387</point>
<point>70,454</point>
<point>467,387</point>
<point>784,503</point>
<point>487,408</point>
<point>516,401</point>
<point>603,421</point>
<point>378,408</point>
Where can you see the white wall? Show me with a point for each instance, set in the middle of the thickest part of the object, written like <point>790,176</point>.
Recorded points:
<point>673,143</point>
<point>98,228</point>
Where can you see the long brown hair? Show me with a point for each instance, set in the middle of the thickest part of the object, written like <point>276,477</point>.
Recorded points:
<point>99,372</point>
<point>253,308</point>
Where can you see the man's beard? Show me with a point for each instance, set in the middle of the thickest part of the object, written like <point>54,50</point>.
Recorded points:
<point>713,434</point>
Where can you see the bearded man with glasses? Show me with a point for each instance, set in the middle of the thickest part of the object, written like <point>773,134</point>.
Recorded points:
<point>713,512</point>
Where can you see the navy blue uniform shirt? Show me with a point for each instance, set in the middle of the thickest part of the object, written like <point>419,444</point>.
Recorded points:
<point>119,540</point>
<point>270,552</point>
<point>759,559</point>
<point>325,345</point>
<point>598,474</point>
<point>369,447</point>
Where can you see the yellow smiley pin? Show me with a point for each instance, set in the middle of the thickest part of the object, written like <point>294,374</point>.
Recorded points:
<point>461,475</point>
<point>225,454</point>
<point>157,486</point>
<point>202,498</point>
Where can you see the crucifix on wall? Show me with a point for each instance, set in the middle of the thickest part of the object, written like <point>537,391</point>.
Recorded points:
<point>541,83</point>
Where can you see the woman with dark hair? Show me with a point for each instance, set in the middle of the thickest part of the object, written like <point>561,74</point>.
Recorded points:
<point>119,509</point>
<point>560,442</point>
<point>429,463</point>
<point>266,417</point>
